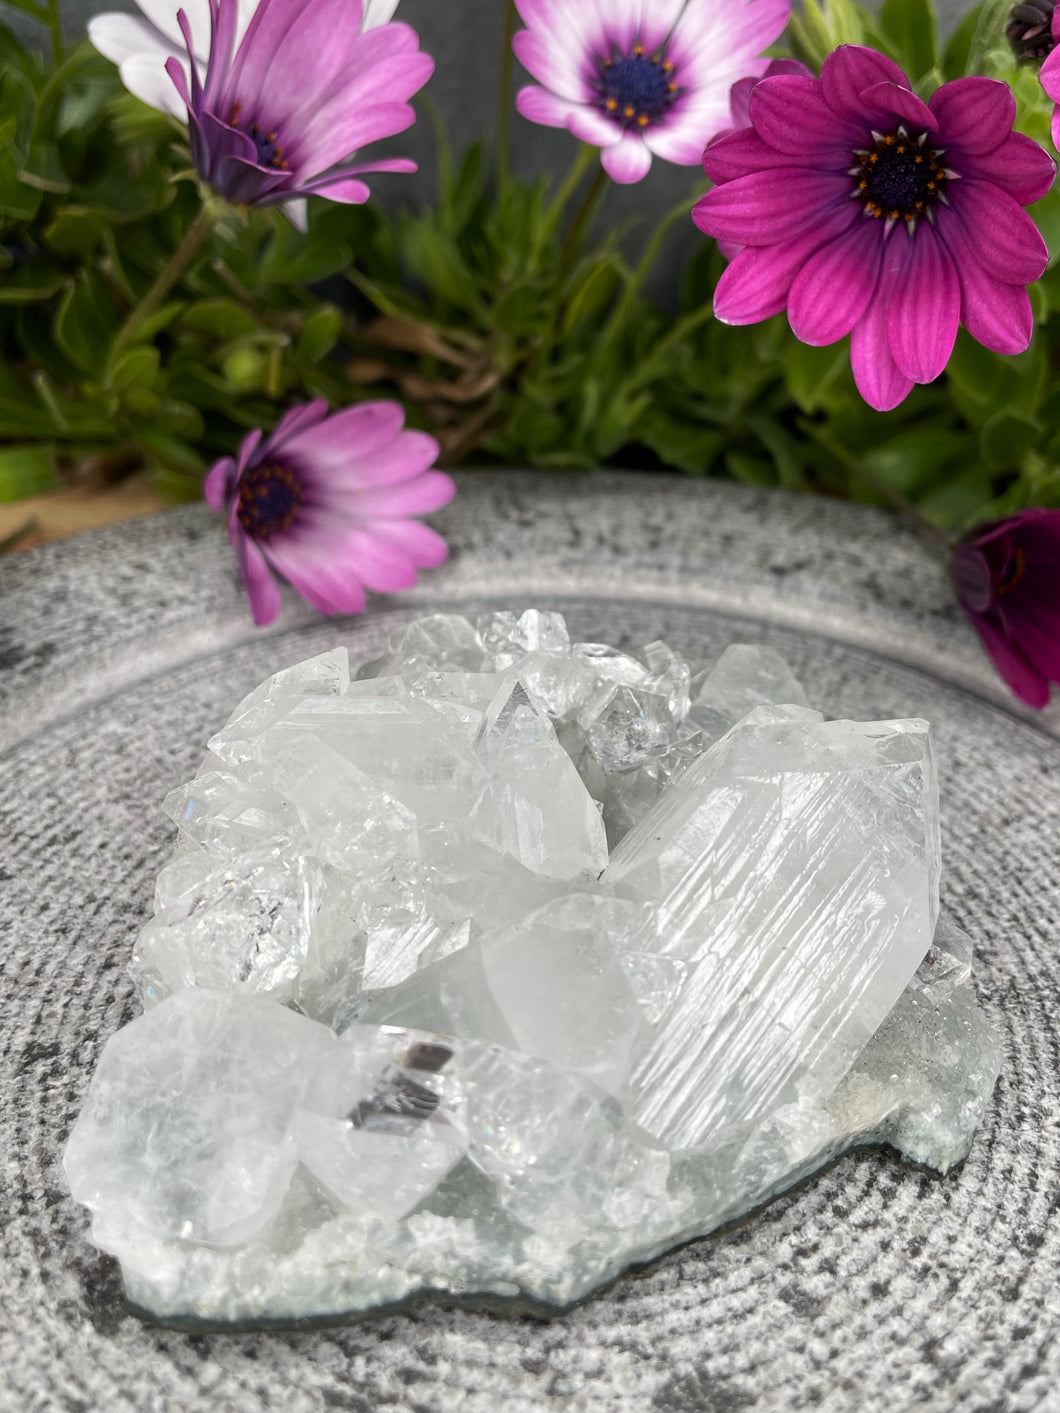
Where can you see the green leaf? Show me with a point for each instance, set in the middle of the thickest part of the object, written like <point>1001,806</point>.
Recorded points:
<point>317,336</point>
<point>18,201</point>
<point>27,471</point>
<point>76,230</point>
<point>136,368</point>
<point>810,374</point>
<point>1006,438</point>
<point>222,319</point>
<point>958,50</point>
<point>28,283</point>
<point>592,292</point>
<point>909,25</point>
<point>522,311</point>
<point>86,323</point>
<point>679,443</point>
<point>911,462</point>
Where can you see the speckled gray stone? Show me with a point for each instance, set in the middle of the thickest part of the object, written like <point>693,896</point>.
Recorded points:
<point>121,650</point>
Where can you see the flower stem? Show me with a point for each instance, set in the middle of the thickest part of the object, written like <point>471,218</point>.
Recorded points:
<point>171,272</point>
<point>643,268</point>
<point>54,24</point>
<point>571,182</point>
<point>504,115</point>
<point>582,217</point>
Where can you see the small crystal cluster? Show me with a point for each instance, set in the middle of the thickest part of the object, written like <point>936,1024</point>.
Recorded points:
<point>515,961</point>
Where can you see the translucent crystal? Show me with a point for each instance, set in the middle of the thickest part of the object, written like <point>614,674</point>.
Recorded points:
<point>442,641</point>
<point>381,1120</point>
<point>796,865</point>
<point>226,814</point>
<point>245,924</point>
<point>555,985</point>
<point>186,1130</point>
<point>508,637</point>
<point>744,677</point>
<point>325,676</point>
<point>534,806</point>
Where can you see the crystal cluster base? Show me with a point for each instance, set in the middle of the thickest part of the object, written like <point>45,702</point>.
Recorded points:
<point>512,963</point>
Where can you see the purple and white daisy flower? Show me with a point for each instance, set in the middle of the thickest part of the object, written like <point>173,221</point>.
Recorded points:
<point>1007,577</point>
<point>280,115</point>
<point>141,44</point>
<point>327,502</point>
<point>641,78</point>
<point>863,210</point>
<point>1049,74</point>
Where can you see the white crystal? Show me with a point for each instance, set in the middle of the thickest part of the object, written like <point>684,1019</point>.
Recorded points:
<point>744,677</point>
<point>551,1064</point>
<point>187,1127</point>
<point>796,866</point>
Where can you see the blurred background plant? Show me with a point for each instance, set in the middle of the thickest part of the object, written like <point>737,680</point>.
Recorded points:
<point>507,315</point>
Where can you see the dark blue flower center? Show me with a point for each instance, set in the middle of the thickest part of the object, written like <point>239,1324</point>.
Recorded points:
<point>636,89</point>
<point>270,497</point>
<point>900,178</point>
<point>269,151</point>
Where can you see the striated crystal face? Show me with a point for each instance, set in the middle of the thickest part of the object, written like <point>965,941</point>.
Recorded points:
<point>513,962</point>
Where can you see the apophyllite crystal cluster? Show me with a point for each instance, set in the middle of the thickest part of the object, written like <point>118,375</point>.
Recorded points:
<point>513,962</point>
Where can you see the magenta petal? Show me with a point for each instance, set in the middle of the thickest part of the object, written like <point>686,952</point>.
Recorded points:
<point>1005,239</point>
<point>1019,166</point>
<point>738,154</point>
<point>381,565</point>
<point>851,69</point>
<point>262,590</point>
<point>894,100</point>
<point>833,289</point>
<point>1049,73</point>
<point>1038,638</point>
<point>356,434</point>
<point>1020,675</point>
<point>790,114</point>
<point>627,161</point>
<point>747,210</point>
<point>329,586</point>
<point>422,545</point>
<point>925,308</point>
<point>219,482</point>
<point>880,381</point>
<point>247,449</point>
<point>418,496</point>
<point>975,114</point>
<point>757,282</point>
<point>348,191</point>
<point>296,420</point>
<point>538,105</point>
<point>994,312</point>
<point>587,125</point>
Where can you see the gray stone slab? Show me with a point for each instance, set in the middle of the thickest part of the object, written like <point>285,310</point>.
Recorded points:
<point>120,652</point>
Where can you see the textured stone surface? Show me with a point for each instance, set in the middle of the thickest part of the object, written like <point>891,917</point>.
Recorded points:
<point>942,1291</point>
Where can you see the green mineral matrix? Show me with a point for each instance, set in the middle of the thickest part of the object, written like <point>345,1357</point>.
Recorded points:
<point>512,963</point>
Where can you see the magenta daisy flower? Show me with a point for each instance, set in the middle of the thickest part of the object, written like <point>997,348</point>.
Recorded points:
<point>641,77</point>
<point>863,210</point>
<point>1007,577</point>
<point>281,115</point>
<point>328,501</point>
<point>1050,70</point>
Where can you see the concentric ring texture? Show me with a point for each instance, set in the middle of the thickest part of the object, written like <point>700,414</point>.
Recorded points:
<point>871,1285</point>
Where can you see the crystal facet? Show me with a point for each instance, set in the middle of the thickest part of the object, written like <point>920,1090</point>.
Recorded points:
<point>516,961</point>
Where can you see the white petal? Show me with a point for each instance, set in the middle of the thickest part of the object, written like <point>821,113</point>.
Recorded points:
<point>163,15</point>
<point>378,12</point>
<point>295,211</point>
<point>146,77</point>
<point>119,37</point>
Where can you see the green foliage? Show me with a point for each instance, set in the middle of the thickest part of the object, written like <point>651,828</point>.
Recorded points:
<point>500,324</point>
